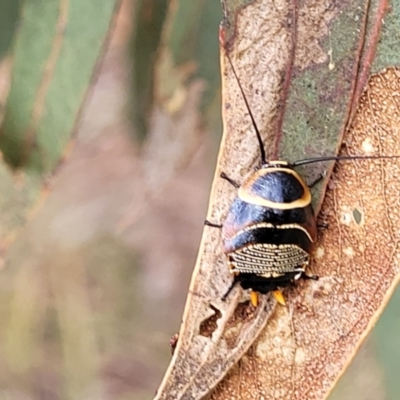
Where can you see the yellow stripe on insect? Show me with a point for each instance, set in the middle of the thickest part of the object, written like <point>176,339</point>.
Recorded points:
<point>246,193</point>
<point>273,226</point>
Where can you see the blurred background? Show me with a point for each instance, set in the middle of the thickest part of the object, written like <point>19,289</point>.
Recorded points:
<point>94,276</point>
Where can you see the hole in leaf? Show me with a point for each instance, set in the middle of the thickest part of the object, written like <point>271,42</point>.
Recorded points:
<point>243,312</point>
<point>209,325</point>
<point>357,215</point>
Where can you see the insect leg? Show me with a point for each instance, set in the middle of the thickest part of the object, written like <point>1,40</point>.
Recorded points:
<point>233,284</point>
<point>316,180</point>
<point>231,181</point>
<point>208,223</point>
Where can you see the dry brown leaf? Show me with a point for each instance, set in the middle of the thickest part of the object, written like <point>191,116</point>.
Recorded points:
<point>307,345</point>
<point>214,334</point>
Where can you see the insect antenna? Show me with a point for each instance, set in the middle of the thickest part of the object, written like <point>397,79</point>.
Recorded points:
<point>338,158</point>
<point>253,121</point>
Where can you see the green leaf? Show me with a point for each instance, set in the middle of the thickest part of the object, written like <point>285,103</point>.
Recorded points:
<point>149,19</point>
<point>9,11</point>
<point>168,60</point>
<point>387,53</point>
<point>56,50</point>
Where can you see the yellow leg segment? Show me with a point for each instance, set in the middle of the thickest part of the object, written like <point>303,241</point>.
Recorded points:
<point>279,297</point>
<point>254,298</point>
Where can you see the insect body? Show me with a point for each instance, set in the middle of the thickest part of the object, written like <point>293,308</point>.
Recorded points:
<point>270,229</point>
